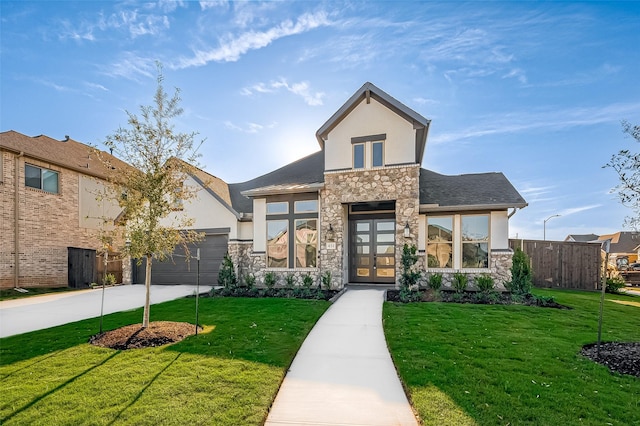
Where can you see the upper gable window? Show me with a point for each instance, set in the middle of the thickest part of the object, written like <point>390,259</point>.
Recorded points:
<point>358,156</point>
<point>39,178</point>
<point>368,151</point>
<point>377,158</point>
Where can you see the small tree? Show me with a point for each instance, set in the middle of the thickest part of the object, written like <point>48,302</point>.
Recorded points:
<point>626,164</point>
<point>227,275</point>
<point>409,277</point>
<point>521,274</point>
<point>160,159</point>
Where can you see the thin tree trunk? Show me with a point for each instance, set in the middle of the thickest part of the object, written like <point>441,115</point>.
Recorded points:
<point>147,300</point>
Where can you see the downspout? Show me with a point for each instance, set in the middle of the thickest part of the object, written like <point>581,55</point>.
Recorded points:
<point>16,219</point>
<point>515,209</point>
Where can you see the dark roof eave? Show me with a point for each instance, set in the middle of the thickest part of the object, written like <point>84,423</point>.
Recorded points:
<point>430,208</point>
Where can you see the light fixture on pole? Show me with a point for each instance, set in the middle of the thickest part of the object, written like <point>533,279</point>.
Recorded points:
<point>544,227</point>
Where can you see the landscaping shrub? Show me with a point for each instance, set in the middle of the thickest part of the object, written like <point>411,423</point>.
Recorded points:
<point>290,281</point>
<point>326,280</point>
<point>227,275</point>
<point>250,281</point>
<point>410,277</point>
<point>521,274</point>
<point>614,284</point>
<point>270,280</point>
<point>460,282</point>
<point>485,283</point>
<point>435,281</point>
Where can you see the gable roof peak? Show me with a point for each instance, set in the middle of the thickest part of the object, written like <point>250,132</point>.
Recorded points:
<point>366,93</point>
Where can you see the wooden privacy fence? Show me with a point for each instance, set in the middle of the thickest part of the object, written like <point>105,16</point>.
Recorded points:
<point>560,264</point>
<point>114,266</point>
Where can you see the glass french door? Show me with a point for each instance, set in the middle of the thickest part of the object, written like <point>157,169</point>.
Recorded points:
<point>372,250</point>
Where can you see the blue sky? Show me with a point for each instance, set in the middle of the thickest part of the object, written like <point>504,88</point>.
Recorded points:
<point>535,90</point>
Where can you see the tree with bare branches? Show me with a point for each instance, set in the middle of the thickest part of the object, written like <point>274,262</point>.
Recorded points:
<point>151,189</point>
<point>626,164</point>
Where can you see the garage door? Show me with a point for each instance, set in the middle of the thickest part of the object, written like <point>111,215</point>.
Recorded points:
<point>176,270</point>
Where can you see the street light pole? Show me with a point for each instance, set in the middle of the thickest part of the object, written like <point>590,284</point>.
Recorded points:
<point>544,227</point>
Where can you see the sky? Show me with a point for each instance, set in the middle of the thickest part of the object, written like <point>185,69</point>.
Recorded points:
<point>535,90</point>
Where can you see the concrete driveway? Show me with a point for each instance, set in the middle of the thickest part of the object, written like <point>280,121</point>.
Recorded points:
<point>39,312</point>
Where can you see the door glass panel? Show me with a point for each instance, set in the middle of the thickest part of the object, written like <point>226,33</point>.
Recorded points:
<point>362,238</point>
<point>363,261</point>
<point>362,249</point>
<point>386,226</point>
<point>385,272</point>
<point>362,227</point>
<point>385,238</point>
<point>384,249</point>
<point>383,261</point>
<point>362,272</point>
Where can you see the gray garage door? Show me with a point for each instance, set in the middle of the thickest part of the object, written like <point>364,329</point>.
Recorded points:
<point>176,270</point>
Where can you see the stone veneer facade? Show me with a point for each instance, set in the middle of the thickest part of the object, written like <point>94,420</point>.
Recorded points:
<point>500,262</point>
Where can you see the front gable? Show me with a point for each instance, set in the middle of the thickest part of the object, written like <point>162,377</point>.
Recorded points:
<point>372,129</point>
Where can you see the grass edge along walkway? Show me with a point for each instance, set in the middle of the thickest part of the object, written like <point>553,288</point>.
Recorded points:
<point>494,364</point>
<point>229,376</point>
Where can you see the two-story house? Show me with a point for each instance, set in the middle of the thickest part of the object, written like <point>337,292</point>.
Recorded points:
<point>52,218</point>
<point>350,207</point>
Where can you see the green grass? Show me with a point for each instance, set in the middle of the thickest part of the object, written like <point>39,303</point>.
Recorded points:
<point>518,365</point>
<point>227,377</point>
<point>10,293</point>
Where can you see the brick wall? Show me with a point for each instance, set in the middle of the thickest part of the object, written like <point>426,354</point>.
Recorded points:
<point>48,224</point>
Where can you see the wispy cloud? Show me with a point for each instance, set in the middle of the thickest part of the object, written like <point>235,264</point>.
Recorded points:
<point>95,86</point>
<point>574,210</point>
<point>552,119</point>
<point>211,4</point>
<point>132,67</point>
<point>55,86</point>
<point>250,128</point>
<point>301,89</point>
<point>231,48</point>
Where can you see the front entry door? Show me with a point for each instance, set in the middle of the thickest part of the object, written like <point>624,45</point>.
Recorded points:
<point>372,250</point>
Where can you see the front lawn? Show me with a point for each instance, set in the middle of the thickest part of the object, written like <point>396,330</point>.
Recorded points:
<point>229,376</point>
<point>499,365</point>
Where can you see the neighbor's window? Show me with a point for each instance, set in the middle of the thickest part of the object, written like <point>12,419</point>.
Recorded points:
<point>358,156</point>
<point>277,243</point>
<point>475,241</point>
<point>378,154</point>
<point>440,242</point>
<point>39,178</point>
<point>306,248</point>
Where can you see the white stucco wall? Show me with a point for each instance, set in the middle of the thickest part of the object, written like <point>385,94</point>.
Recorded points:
<point>94,207</point>
<point>245,231</point>
<point>206,212</point>
<point>370,119</point>
<point>259,225</point>
<point>499,228</point>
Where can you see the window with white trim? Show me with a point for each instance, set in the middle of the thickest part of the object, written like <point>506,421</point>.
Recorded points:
<point>40,178</point>
<point>458,241</point>
<point>296,249</point>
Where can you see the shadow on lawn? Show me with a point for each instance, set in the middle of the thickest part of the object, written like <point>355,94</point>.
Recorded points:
<point>57,388</point>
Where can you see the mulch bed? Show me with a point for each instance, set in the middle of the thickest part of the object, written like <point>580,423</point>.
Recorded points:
<point>135,337</point>
<point>476,297</point>
<point>623,358</point>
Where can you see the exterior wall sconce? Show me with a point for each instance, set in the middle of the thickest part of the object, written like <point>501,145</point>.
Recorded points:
<point>406,230</point>
<point>331,235</point>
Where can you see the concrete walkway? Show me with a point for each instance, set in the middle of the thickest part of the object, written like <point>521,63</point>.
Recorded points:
<point>343,373</point>
<point>38,312</point>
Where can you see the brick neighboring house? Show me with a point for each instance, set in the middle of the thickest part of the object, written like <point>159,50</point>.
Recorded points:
<point>47,191</point>
<point>349,208</point>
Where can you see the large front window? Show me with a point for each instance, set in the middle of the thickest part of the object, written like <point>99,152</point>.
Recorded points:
<point>458,241</point>
<point>296,249</point>
<point>475,241</point>
<point>440,242</point>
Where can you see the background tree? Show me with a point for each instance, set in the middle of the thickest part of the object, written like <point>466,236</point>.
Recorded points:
<point>626,163</point>
<point>150,190</point>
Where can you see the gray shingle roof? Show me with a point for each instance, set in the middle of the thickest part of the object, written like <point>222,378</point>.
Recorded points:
<point>307,170</point>
<point>482,190</point>
<point>462,191</point>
